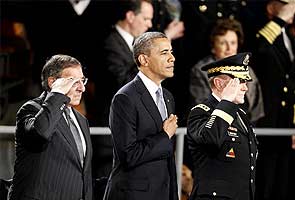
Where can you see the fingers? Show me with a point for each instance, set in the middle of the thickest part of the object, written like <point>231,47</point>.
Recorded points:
<point>234,84</point>
<point>170,125</point>
<point>173,119</point>
<point>63,85</point>
<point>231,90</point>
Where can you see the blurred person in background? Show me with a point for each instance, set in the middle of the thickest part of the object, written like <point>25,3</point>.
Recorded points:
<point>275,68</point>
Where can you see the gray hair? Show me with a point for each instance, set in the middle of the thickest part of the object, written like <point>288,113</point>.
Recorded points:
<point>54,66</point>
<point>144,43</point>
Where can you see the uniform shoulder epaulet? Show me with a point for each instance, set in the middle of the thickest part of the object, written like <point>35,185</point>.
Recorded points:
<point>270,31</point>
<point>243,111</point>
<point>203,106</point>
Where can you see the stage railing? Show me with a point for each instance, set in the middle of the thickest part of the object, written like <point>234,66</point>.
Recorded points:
<point>8,133</point>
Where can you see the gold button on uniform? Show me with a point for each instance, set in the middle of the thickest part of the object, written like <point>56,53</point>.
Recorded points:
<point>285,89</point>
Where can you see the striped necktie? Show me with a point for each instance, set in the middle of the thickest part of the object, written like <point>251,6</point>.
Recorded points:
<point>76,135</point>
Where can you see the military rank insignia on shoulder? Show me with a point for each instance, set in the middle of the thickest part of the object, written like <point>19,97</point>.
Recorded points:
<point>203,106</point>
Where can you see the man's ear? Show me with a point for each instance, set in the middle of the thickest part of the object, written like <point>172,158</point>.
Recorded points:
<point>130,16</point>
<point>50,81</point>
<point>218,83</point>
<point>271,9</point>
<point>143,60</point>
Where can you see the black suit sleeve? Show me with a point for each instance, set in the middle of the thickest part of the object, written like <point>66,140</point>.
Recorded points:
<point>131,149</point>
<point>207,128</point>
<point>38,121</point>
<point>119,60</point>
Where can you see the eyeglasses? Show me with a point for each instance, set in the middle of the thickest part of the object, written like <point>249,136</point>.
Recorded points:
<point>82,80</point>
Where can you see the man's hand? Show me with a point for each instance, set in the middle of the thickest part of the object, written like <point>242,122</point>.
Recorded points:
<point>170,125</point>
<point>231,90</point>
<point>63,85</point>
<point>174,30</point>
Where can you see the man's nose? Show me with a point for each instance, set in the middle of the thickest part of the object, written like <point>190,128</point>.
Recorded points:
<point>80,85</point>
<point>245,87</point>
<point>172,58</point>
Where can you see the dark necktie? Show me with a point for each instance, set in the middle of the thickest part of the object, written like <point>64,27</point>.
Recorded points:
<point>160,104</point>
<point>76,135</point>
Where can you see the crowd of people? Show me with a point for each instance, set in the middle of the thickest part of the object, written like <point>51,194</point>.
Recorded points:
<point>228,67</point>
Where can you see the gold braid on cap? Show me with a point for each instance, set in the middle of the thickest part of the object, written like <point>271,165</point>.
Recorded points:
<point>241,74</point>
<point>227,68</point>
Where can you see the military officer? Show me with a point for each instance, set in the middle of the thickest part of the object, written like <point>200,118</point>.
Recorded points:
<point>220,137</point>
<point>274,58</point>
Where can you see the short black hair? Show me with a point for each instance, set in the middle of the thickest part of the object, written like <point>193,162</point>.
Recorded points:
<point>143,44</point>
<point>128,5</point>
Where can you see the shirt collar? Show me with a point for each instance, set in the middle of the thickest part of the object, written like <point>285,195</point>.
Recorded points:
<point>126,36</point>
<point>216,97</point>
<point>80,6</point>
<point>151,86</point>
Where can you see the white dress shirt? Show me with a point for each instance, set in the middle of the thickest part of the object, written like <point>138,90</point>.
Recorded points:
<point>151,86</point>
<point>79,5</point>
<point>126,36</point>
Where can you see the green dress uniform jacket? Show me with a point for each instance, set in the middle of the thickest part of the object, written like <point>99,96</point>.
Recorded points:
<point>224,151</point>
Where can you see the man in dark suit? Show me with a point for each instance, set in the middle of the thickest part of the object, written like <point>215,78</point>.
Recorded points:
<point>134,17</point>
<point>220,136</point>
<point>275,68</point>
<point>143,125</point>
<point>118,67</point>
<point>53,161</point>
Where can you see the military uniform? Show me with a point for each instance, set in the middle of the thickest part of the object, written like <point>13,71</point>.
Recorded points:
<point>275,69</point>
<point>222,142</point>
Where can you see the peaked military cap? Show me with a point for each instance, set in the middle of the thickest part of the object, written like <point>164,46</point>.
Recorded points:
<point>235,66</point>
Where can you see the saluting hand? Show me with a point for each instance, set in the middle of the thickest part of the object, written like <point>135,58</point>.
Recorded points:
<point>170,125</point>
<point>63,85</point>
<point>231,90</point>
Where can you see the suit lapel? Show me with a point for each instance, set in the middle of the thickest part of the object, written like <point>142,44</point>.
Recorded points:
<point>148,101</point>
<point>122,43</point>
<point>168,103</point>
